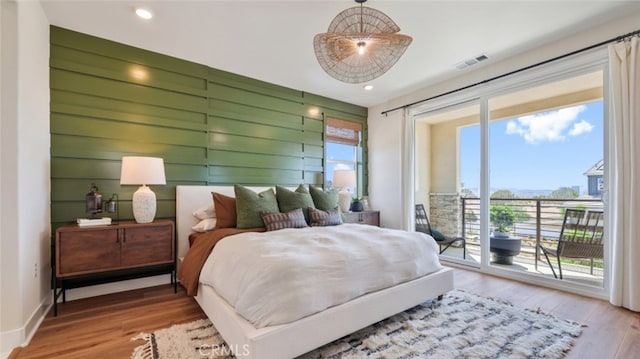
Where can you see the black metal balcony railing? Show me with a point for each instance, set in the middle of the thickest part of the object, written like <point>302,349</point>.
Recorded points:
<point>536,220</point>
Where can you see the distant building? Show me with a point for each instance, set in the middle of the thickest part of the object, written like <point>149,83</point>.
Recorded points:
<point>595,179</point>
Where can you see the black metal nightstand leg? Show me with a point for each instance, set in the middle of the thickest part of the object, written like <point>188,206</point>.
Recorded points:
<point>175,281</point>
<point>55,296</point>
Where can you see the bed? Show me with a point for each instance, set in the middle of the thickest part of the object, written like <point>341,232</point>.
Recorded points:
<point>300,336</point>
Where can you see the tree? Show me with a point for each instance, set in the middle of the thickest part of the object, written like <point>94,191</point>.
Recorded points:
<point>564,193</point>
<point>502,217</point>
<point>503,193</point>
<point>467,193</point>
<point>521,215</point>
<point>471,216</point>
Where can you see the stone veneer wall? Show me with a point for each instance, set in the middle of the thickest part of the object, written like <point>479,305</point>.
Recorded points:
<point>445,213</point>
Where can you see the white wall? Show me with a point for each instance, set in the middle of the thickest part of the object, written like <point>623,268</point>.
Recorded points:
<point>24,178</point>
<point>10,306</point>
<point>385,132</point>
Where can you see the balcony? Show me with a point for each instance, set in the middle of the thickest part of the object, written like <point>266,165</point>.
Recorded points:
<point>537,221</point>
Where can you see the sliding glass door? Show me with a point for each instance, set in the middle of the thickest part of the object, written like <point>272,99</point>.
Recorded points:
<point>518,172</point>
<point>546,151</point>
<point>447,177</point>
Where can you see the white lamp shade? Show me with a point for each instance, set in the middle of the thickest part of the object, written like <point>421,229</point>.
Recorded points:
<point>344,178</point>
<point>142,170</point>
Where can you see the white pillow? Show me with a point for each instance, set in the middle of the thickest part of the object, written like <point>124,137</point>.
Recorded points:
<point>205,225</point>
<point>205,212</point>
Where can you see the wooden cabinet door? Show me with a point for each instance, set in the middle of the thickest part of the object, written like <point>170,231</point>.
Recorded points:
<point>88,251</point>
<point>145,245</point>
<point>372,218</point>
<point>367,217</point>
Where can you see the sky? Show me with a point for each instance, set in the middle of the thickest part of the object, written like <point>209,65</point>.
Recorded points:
<point>544,151</point>
<point>336,151</point>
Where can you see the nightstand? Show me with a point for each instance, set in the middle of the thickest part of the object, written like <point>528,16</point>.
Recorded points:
<point>366,217</point>
<point>101,254</point>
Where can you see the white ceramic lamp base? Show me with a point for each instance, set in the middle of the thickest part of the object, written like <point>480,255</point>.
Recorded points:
<point>144,205</point>
<point>344,200</point>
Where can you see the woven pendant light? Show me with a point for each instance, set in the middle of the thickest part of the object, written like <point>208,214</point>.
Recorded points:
<point>360,45</point>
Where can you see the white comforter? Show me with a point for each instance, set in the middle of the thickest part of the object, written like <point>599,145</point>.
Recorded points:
<point>281,276</point>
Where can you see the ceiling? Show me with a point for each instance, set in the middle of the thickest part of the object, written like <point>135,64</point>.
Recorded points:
<point>273,40</point>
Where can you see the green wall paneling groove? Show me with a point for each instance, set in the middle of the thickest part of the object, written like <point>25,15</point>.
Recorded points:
<point>110,100</point>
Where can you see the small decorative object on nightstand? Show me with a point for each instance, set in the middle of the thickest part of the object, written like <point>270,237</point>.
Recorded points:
<point>93,205</point>
<point>112,206</point>
<point>365,217</point>
<point>356,205</point>
<point>93,201</point>
<point>365,204</point>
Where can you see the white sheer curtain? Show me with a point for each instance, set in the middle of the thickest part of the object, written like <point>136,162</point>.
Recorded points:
<point>407,170</point>
<point>624,174</point>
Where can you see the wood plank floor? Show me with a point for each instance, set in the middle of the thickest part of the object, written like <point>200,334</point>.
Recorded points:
<point>101,327</point>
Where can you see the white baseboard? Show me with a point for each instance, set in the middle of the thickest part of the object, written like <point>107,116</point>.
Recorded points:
<point>22,336</point>
<point>121,286</point>
<point>14,338</point>
<point>10,339</point>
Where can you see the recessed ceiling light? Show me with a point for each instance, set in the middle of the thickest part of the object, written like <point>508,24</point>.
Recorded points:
<point>368,87</point>
<point>144,13</point>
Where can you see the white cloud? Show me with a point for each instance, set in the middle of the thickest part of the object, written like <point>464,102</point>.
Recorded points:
<point>580,128</point>
<point>550,126</point>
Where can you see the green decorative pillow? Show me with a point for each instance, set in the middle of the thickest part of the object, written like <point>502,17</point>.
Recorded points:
<point>323,200</point>
<point>437,235</point>
<point>290,200</point>
<point>249,206</point>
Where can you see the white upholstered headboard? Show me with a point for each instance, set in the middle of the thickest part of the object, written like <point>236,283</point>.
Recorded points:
<point>188,200</point>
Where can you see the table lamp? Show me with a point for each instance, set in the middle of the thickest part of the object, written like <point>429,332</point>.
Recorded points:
<point>344,179</point>
<point>143,171</point>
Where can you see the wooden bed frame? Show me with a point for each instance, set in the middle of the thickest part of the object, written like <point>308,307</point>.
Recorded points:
<point>296,338</point>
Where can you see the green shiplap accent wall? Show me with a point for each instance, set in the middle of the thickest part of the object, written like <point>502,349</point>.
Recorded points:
<point>110,100</point>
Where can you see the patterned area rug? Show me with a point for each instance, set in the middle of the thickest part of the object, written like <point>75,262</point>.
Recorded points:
<point>462,325</point>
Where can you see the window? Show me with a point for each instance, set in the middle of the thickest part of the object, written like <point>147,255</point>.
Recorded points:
<point>529,147</point>
<point>543,140</point>
<point>343,151</point>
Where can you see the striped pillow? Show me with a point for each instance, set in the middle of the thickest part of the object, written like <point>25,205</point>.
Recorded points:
<point>293,219</point>
<point>321,218</point>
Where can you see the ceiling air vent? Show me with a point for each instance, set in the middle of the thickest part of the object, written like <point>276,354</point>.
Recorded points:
<point>472,61</point>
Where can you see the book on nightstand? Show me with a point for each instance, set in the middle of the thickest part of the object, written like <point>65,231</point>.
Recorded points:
<point>85,222</point>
